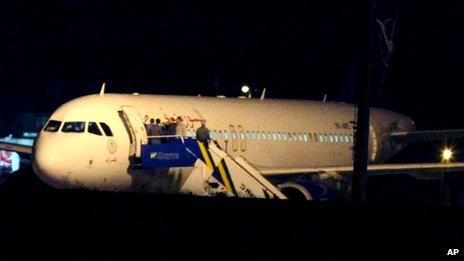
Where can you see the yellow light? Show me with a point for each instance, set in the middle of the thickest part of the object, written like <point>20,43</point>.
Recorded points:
<point>446,155</point>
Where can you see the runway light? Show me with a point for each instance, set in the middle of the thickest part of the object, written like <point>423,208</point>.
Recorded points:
<point>446,155</point>
<point>245,89</point>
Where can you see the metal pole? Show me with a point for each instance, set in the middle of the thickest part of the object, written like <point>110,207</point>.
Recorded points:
<point>362,121</point>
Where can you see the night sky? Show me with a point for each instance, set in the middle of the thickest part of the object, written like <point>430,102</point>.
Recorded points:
<point>56,51</point>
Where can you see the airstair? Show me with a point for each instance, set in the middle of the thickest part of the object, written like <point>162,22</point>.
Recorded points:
<point>184,165</point>
<point>219,173</point>
<point>212,171</point>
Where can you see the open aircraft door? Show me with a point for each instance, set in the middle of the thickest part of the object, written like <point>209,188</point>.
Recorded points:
<point>241,135</point>
<point>136,129</point>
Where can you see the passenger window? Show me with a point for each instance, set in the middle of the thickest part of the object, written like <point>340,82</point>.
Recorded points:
<point>93,128</point>
<point>106,129</point>
<point>52,126</point>
<point>73,126</point>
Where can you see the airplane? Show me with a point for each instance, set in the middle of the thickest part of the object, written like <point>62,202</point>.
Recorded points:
<point>89,142</point>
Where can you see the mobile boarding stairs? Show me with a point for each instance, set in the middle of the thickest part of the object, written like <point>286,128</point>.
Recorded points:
<point>209,171</point>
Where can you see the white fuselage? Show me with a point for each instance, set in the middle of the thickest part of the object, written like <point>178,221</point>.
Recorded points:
<point>269,133</point>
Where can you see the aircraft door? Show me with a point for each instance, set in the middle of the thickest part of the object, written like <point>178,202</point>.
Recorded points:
<point>234,138</point>
<point>136,129</point>
<point>241,135</point>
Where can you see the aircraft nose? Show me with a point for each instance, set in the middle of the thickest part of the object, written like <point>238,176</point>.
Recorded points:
<point>46,163</point>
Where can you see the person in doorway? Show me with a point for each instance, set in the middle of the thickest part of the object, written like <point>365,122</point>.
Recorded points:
<point>156,130</point>
<point>171,127</point>
<point>151,127</point>
<point>181,129</point>
<point>146,120</point>
<point>202,134</point>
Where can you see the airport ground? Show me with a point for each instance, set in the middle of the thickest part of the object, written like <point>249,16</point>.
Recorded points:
<point>40,221</point>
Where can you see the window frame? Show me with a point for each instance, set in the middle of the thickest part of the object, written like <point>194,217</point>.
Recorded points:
<point>102,124</point>
<point>100,133</point>
<point>82,130</point>
<point>45,128</point>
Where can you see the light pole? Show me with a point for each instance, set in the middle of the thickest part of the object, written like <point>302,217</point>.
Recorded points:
<point>446,157</point>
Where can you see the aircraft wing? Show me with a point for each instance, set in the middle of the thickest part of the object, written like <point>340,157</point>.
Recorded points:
<point>429,135</point>
<point>18,145</point>
<point>422,170</point>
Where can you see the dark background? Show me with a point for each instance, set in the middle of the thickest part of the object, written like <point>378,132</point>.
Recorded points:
<point>51,52</point>
<point>55,51</point>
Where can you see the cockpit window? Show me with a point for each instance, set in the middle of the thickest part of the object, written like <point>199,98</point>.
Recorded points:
<point>93,128</point>
<point>73,126</point>
<point>106,129</point>
<point>52,126</point>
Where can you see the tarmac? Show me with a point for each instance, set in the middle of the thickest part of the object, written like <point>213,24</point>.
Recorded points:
<point>75,224</point>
